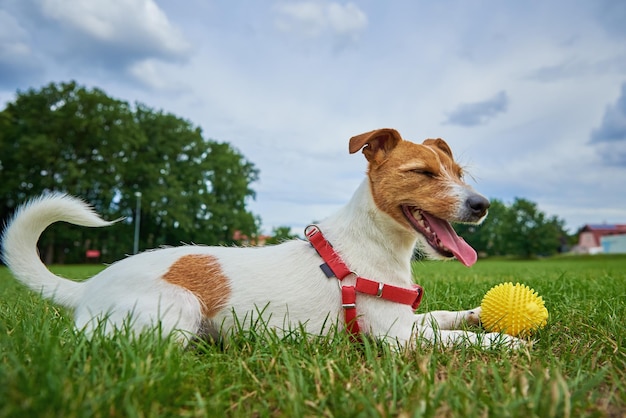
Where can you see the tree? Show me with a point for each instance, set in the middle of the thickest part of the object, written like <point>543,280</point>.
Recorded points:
<point>519,230</point>
<point>197,190</point>
<point>529,232</point>
<point>68,138</point>
<point>60,139</point>
<point>487,238</point>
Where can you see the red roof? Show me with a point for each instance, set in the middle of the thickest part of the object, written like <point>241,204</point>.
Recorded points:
<point>600,230</point>
<point>621,228</point>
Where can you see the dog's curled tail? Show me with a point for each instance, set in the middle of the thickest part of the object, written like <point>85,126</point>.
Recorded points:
<point>19,243</point>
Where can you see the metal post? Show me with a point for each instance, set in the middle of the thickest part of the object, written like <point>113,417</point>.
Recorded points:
<point>137,222</point>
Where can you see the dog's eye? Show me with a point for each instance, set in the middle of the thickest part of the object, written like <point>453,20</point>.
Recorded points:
<point>424,172</point>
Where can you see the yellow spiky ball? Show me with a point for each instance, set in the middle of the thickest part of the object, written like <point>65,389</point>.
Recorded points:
<point>514,309</point>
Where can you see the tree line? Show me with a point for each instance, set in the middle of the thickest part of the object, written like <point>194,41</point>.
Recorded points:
<point>519,229</point>
<point>65,137</point>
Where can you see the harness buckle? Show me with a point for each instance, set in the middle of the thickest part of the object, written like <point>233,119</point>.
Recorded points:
<point>311,230</point>
<point>348,306</point>
<point>379,293</point>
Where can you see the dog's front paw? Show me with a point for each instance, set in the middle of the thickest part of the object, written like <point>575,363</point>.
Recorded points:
<point>473,316</point>
<point>496,339</point>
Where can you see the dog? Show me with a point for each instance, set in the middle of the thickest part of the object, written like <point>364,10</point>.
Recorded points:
<point>355,270</point>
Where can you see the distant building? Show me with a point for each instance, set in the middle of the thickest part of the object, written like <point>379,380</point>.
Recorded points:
<point>243,239</point>
<point>614,244</point>
<point>590,238</point>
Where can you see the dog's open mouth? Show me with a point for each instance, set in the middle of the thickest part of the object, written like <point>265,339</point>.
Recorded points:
<point>440,235</point>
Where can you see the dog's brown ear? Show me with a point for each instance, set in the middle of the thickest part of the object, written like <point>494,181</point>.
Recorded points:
<point>374,141</point>
<point>439,143</point>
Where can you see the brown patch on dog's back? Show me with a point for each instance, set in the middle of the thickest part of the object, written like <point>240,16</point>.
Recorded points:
<point>203,276</point>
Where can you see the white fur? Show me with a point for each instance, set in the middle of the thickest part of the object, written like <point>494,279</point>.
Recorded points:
<point>283,282</point>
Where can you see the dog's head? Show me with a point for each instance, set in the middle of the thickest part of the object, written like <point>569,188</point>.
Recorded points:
<point>421,187</point>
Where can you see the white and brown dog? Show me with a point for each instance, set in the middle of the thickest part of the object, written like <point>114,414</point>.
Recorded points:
<point>411,194</point>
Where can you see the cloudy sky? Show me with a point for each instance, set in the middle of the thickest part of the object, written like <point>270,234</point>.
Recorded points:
<point>530,95</point>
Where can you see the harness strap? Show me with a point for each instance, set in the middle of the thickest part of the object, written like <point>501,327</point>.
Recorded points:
<point>348,302</point>
<point>326,251</point>
<point>334,266</point>
<point>396,294</point>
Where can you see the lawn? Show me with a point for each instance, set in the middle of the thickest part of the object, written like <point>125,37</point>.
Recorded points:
<point>576,368</point>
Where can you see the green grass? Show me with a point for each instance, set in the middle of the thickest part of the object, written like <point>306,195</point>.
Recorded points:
<point>576,368</point>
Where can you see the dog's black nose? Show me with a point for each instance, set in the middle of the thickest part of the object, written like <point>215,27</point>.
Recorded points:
<point>478,204</point>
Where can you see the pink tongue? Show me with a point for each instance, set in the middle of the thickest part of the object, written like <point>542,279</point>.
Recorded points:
<point>457,245</point>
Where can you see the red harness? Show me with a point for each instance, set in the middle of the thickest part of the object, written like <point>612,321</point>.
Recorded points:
<point>334,266</point>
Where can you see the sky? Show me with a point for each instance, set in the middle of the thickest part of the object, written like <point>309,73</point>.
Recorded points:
<point>531,96</point>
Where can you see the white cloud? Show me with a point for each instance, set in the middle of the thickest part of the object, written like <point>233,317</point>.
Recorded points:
<point>316,18</point>
<point>124,23</point>
<point>156,75</point>
<point>305,17</point>
<point>348,19</point>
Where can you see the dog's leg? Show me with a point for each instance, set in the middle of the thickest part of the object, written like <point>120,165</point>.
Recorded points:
<point>163,308</point>
<point>449,338</point>
<point>448,320</point>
